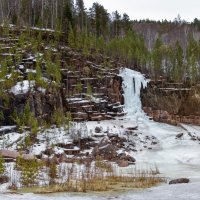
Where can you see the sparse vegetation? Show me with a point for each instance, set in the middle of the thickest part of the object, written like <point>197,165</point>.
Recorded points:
<point>99,179</point>
<point>29,171</point>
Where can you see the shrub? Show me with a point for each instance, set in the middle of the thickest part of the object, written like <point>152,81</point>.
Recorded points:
<point>29,170</point>
<point>2,167</point>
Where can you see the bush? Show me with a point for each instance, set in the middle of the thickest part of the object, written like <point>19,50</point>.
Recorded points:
<point>53,170</point>
<point>29,171</point>
<point>60,118</point>
<point>2,167</point>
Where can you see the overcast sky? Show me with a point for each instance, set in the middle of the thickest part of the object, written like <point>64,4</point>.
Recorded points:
<point>152,9</point>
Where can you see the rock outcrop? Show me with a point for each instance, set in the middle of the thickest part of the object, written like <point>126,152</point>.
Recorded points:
<point>88,89</point>
<point>107,149</point>
<point>172,103</point>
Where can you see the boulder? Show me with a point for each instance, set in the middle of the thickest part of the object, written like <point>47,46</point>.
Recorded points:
<point>126,157</point>
<point>179,180</point>
<point>105,149</point>
<point>98,130</point>
<point>180,135</point>
<point>132,128</point>
<point>104,141</point>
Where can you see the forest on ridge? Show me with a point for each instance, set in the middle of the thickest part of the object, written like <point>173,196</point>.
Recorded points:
<point>175,56</point>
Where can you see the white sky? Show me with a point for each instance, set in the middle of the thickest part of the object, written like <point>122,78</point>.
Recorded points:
<point>152,9</point>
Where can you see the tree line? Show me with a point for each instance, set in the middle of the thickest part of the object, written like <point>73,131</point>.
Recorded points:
<point>62,14</point>
<point>109,34</point>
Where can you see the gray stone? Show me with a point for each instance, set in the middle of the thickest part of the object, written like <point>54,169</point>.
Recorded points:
<point>179,180</point>
<point>97,130</point>
<point>180,135</point>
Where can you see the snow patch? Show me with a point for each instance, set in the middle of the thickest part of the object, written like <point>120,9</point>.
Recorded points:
<point>22,87</point>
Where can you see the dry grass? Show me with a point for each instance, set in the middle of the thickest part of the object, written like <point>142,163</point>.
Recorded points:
<point>103,165</point>
<point>102,177</point>
<point>100,185</point>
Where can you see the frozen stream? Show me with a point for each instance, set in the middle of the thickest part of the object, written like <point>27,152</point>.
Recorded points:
<point>167,192</point>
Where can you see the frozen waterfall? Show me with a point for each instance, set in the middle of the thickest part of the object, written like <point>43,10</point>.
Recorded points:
<point>132,83</point>
<point>173,157</point>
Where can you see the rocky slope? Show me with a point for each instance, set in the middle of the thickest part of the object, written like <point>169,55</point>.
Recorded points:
<point>89,89</point>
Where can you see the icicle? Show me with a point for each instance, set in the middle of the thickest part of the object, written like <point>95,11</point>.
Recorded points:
<point>134,84</point>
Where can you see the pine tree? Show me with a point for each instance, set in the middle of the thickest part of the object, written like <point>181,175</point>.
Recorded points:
<point>116,23</point>
<point>71,37</point>
<point>89,91</point>
<point>81,15</point>
<point>193,55</point>
<point>99,18</point>
<point>68,15</point>
<point>126,23</point>
<point>157,57</point>
<point>29,171</point>
<point>179,62</point>
<point>2,166</point>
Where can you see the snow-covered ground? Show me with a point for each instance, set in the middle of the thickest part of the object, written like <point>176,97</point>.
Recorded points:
<point>174,157</point>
